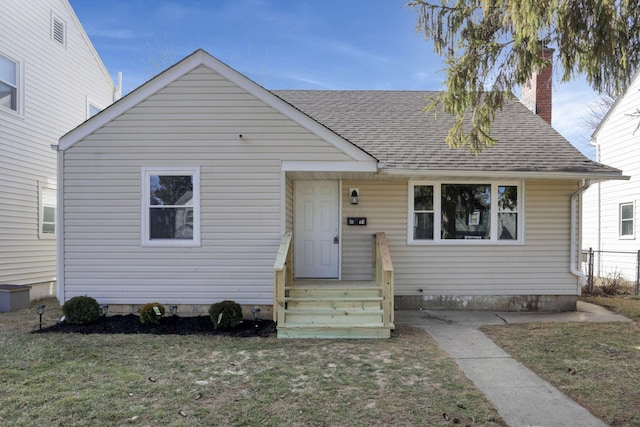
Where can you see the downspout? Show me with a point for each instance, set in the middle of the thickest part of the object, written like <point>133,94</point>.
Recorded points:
<point>60,257</point>
<point>594,142</point>
<point>573,258</point>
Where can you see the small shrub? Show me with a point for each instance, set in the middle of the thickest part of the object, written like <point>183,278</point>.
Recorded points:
<point>81,310</point>
<point>225,314</point>
<point>149,313</point>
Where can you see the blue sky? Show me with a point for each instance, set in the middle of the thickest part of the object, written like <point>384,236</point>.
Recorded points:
<point>289,44</point>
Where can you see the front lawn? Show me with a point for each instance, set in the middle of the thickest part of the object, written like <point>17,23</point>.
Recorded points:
<point>596,364</point>
<point>61,379</point>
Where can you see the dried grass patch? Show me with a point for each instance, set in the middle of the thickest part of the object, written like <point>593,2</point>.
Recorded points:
<point>596,364</point>
<point>75,379</point>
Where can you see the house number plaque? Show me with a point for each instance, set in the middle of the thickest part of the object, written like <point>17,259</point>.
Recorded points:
<point>356,221</point>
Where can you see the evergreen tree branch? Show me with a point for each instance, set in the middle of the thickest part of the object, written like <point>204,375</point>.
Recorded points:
<point>492,47</point>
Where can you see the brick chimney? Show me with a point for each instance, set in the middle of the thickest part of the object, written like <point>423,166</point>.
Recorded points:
<point>536,93</point>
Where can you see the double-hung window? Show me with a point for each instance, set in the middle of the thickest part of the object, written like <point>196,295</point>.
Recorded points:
<point>626,220</point>
<point>469,212</point>
<point>423,212</point>
<point>171,207</point>
<point>8,83</point>
<point>47,216</point>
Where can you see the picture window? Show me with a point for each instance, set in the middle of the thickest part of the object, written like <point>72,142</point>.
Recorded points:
<point>489,212</point>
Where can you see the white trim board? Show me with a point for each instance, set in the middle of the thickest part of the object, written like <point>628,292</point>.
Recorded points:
<point>322,166</point>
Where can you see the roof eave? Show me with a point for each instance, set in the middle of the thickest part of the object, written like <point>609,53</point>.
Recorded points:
<point>593,176</point>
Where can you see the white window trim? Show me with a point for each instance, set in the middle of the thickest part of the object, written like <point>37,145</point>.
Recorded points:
<point>42,187</point>
<point>89,103</point>
<point>437,227</point>
<point>147,172</point>
<point>631,236</point>
<point>19,86</point>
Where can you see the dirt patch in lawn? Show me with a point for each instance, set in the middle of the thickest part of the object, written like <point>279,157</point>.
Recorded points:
<point>130,324</point>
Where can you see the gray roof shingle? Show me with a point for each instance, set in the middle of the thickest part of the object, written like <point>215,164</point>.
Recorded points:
<point>392,127</point>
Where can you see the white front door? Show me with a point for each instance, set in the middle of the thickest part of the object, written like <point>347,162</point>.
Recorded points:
<point>316,229</point>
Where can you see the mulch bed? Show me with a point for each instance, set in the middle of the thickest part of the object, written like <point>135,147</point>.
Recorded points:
<point>130,324</point>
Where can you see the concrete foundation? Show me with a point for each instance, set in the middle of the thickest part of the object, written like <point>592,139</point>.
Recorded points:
<point>514,303</point>
<point>190,310</point>
<point>43,290</point>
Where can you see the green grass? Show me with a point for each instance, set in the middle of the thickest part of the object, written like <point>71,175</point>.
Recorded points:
<point>119,380</point>
<point>596,364</point>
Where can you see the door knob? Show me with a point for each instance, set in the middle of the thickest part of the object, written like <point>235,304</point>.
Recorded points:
<point>336,240</point>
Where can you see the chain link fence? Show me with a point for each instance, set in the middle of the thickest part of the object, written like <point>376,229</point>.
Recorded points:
<point>611,266</point>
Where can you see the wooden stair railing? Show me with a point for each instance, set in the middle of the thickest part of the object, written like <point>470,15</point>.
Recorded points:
<point>282,276</point>
<point>383,273</point>
<point>308,317</point>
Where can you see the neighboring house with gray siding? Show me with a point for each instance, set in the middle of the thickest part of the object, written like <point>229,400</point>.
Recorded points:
<point>493,231</point>
<point>50,79</point>
<point>610,212</point>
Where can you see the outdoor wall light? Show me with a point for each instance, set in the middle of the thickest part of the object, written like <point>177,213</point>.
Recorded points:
<point>354,193</point>
<point>173,310</point>
<point>40,309</point>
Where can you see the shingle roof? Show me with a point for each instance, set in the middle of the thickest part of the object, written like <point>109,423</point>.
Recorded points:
<point>392,127</point>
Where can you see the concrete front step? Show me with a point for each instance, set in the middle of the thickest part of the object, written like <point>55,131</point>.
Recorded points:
<point>364,331</point>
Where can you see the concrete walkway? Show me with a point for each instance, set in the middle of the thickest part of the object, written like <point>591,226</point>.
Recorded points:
<point>520,396</point>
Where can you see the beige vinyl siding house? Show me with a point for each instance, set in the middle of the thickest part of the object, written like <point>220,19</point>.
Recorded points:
<point>446,271</point>
<point>236,142</point>
<point>611,209</point>
<point>246,166</point>
<point>50,76</point>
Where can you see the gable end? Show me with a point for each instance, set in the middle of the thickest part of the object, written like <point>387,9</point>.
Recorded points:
<point>202,58</point>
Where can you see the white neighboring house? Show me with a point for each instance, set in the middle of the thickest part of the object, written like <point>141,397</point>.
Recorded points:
<point>610,211</point>
<point>51,80</point>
